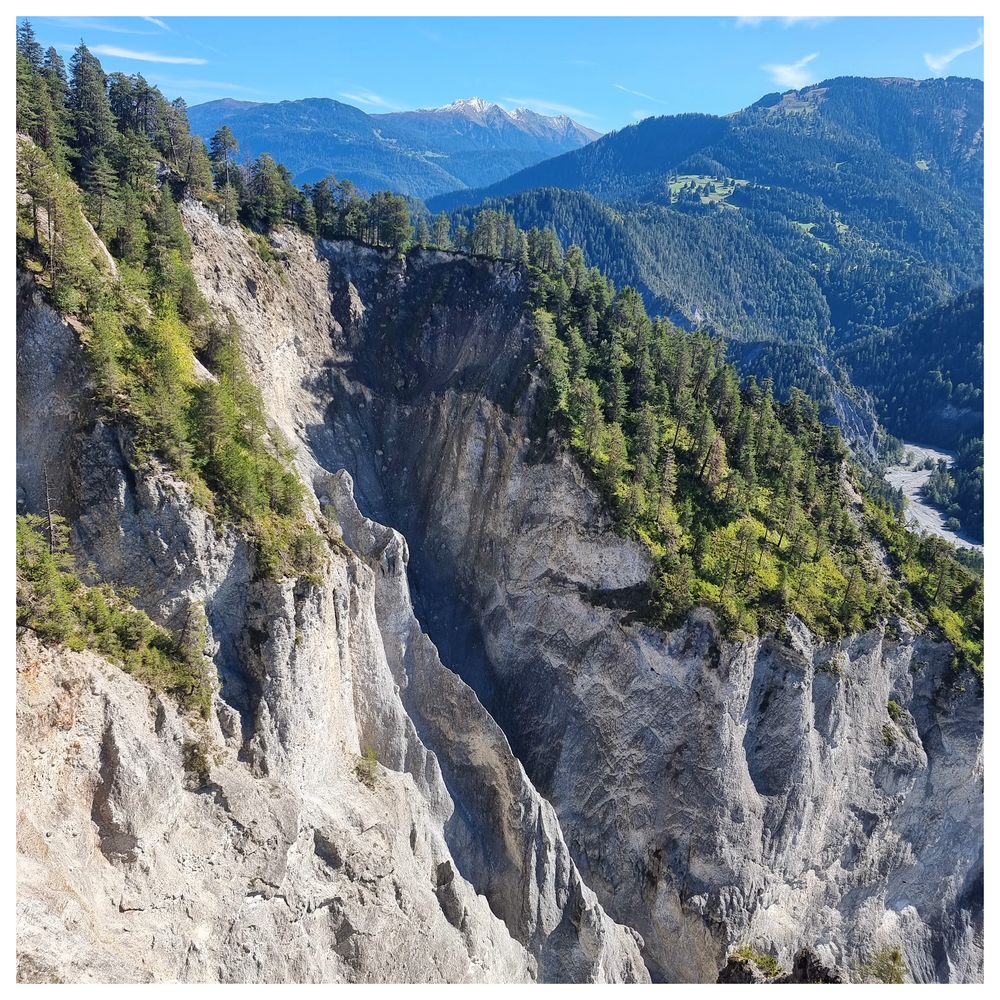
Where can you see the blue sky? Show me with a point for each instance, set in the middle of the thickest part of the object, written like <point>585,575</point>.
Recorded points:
<point>605,72</point>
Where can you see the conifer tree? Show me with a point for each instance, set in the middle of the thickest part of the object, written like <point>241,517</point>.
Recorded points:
<point>168,229</point>
<point>101,183</point>
<point>440,236</point>
<point>223,149</point>
<point>267,193</point>
<point>26,96</point>
<point>617,450</point>
<point>93,122</point>
<point>27,45</point>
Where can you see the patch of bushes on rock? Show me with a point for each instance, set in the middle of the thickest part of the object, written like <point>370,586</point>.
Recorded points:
<point>267,253</point>
<point>767,964</point>
<point>196,763</point>
<point>366,769</point>
<point>54,603</point>
<point>885,966</point>
<point>895,710</point>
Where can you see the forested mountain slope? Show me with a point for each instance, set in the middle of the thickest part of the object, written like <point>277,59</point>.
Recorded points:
<point>926,377</point>
<point>927,374</point>
<point>705,269</point>
<point>865,194</point>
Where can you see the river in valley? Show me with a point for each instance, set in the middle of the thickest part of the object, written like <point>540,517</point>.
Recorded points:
<point>910,478</point>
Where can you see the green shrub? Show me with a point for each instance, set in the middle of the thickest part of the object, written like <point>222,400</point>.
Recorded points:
<point>194,756</point>
<point>886,966</point>
<point>767,964</point>
<point>60,609</point>
<point>366,769</point>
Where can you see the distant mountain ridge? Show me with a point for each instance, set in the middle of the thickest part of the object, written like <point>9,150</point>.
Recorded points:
<point>815,216</point>
<point>429,151</point>
<point>936,126</point>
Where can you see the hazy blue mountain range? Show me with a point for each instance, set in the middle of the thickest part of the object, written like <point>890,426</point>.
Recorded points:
<point>422,153</point>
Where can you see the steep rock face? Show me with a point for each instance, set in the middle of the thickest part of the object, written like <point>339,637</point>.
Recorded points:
<point>131,871</point>
<point>51,402</point>
<point>711,793</point>
<point>280,855</point>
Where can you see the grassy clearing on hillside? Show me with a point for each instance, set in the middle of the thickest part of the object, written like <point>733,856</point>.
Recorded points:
<point>709,190</point>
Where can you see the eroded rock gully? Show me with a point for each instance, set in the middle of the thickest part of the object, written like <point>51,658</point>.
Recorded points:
<point>563,793</point>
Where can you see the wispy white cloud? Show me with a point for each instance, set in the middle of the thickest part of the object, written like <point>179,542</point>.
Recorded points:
<point>786,22</point>
<point>370,99</point>
<point>153,57</point>
<point>160,24</point>
<point>938,64</point>
<point>639,93</point>
<point>807,21</point>
<point>791,75</point>
<point>548,107</point>
<point>87,24</point>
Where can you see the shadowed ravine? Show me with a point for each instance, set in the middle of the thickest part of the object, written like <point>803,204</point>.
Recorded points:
<point>704,788</point>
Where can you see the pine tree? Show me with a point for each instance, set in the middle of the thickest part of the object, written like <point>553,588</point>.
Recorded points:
<point>440,236</point>
<point>511,239</point>
<point>587,407</point>
<point>58,228</point>
<point>101,183</point>
<point>104,351</point>
<point>267,192</point>
<point>668,475</point>
<point>648,434</point>
<point>389,220</point>
<point>706,438</point>
<point>45,130</point>
<point>27,45</point>
<point>617,451</point>
<point>197,167</point>
<point>137,158</point>
<point>132,238</point>
<point>521,256</point>
<point>716,469</point>
<point>229,204</point>
<point>168,229</point>
<point>93,122</point>
<point>555,361</point>
<point>26,97</point>
<point>34,180</point>
<point>307,217</point>
<point>222,150</point>
<point>54,74</point>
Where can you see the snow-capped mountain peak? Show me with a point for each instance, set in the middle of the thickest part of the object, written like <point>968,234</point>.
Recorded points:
<point>474,105</point>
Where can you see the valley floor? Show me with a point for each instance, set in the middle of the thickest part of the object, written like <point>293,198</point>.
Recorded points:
<point>910,478</point>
